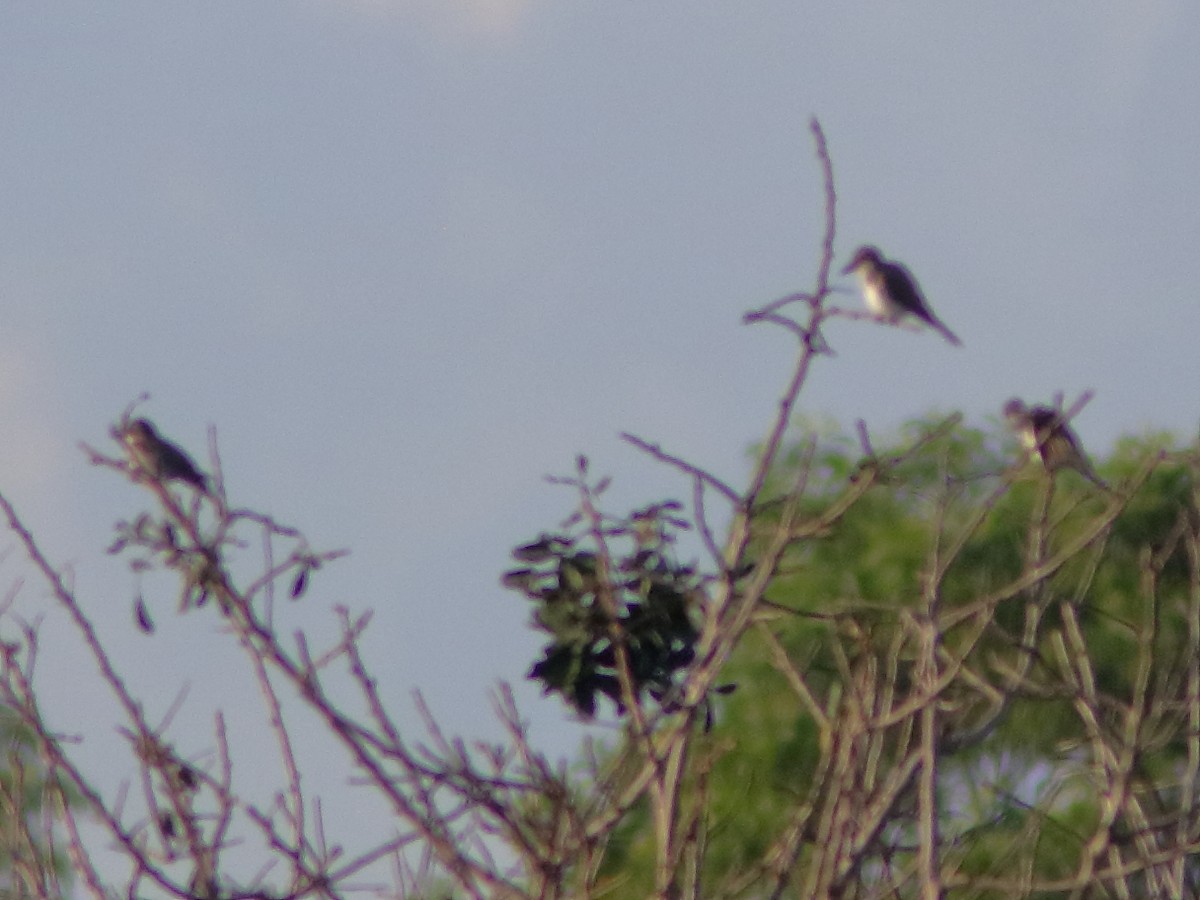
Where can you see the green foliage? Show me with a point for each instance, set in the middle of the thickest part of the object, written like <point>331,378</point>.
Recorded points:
<point>24,795</point>
<point>958,520</point>
<point>632,597</point>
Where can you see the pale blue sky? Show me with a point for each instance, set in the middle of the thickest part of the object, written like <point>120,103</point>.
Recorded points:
<point>410,257</point>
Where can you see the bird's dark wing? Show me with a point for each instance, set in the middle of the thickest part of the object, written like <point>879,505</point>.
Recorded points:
<point>175,463</point>
<point>1057,443</point>
<point>903,289</point>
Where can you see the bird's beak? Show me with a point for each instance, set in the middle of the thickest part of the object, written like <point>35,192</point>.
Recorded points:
<point>854,264</point>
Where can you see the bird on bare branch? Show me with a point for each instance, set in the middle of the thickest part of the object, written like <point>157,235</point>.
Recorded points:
<point>158,457</point>
<point>891,292</point>
<point>1044,431</point>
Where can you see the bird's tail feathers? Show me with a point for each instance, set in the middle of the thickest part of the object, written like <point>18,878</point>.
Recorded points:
<point>947,333</point>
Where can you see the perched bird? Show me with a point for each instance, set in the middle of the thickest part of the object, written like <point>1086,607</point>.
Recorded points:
<point>1042,430</point>
<point>160,458</point>
<point>891,292</point>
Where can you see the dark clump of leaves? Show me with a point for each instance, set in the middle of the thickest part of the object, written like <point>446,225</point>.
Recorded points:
<point>613,586</point>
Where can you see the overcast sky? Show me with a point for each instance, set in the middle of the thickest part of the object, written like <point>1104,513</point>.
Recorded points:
<point>410,257</point>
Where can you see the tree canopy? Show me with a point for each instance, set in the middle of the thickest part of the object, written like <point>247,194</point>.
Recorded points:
<point>1060,626</point>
